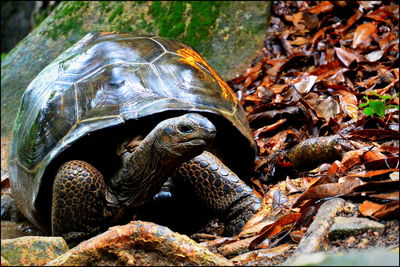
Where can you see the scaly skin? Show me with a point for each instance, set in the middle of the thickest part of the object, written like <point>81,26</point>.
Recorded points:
<point>83,205</point>
<point>78,201</point>
<point>221,190</point>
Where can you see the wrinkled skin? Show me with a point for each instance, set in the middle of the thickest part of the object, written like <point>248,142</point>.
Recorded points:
<point>83,205</point>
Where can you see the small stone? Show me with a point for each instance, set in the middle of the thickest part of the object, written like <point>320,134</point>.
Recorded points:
<point>349,207</point>
<point>351,240</point>
<point>363,243</point>
<point>344,226</point>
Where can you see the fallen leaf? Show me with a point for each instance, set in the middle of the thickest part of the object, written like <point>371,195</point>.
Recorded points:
<point>353,19</point>
<point>381,163</point>
<point>363,34</point>
<point>268,128</point>
<point>367,208</point>
<point>349,103</point>
<point>382,13</point>
<point>347,56</point>
<point>374,134</point>
<point>322,7</point>
<point>387,196</point>
<point>328,190</point>
<point>377,186</point>
<point>387,211</point>
<point>374,55</point>
<point>296,236</point>
<point>365,174</point>
<point>373,155</point>
<point>274,228</point>
<point>305,85</point>
<point>327,70</point>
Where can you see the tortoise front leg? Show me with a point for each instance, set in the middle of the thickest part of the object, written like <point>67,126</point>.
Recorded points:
<point>78,201</point>
<point>221,190</point>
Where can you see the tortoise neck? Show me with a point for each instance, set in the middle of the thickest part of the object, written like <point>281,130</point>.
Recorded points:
<point>142,172</point>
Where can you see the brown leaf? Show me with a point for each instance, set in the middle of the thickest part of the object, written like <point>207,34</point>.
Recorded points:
<point>322,7</point>
<point>349,103</point>
<point>373,155</point>
<point>387,211</point>
<point>328,190</point>
<point>274,228</point>
<point>386,162</point>
<point>327,108</point>
<point>353,19</point>
<point>363,34</point>
<point>268,128</point>
<point>336,167</point>
<point>297,236</point>
<point>374,134</point>
<point>297,20</point>
<point>305,84</point>
<point>377,186</point>
<point>352,158</point>
<point>367,208</point>
<point>327,70</point>
<point>371,173</point>
<point>387,196</point>
<point>347,56</point>
<point>382,13</point>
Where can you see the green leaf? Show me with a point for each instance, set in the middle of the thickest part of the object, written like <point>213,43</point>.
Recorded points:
<point>392,106</point>
<point>363,105</point>
<point>385,97</point>
<point>368,111</point>
<point>378,108</point>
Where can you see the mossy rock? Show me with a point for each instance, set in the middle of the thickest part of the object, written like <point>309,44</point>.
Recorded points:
<point>229,34</point>
<point>32,250</point>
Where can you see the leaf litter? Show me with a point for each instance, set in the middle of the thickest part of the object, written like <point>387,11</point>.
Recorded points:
<point>322,101</point>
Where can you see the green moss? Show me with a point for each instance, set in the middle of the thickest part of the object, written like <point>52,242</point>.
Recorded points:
<point>3,56</point>
<point>171,18</point>
<point>11,254</point>
<point>203,17</point>
<point>104,6</point>
<point>65,27</point>
<point>171,25</point>
<point>70,8</point>
<point>117,11</point>
<point>67,18</point>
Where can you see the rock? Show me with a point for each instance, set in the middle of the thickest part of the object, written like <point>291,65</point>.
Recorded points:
<point>139,243</point>
<point>11,229</point>
<point>374,257</point>
<point>347,226</point>
<point>229,34</point>
<point>4,262</point>
<point>32,250</point>
<point>9,209</point>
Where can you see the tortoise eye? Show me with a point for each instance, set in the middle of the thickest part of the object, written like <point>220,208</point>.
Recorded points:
<point>185,128</point>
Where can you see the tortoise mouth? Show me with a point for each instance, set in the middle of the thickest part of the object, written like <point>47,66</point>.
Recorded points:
<point>195,142</point>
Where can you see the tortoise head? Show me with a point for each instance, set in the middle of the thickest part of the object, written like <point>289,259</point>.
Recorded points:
<point>185,136</point>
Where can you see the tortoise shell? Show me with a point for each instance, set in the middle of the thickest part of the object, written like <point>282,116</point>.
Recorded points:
<point>105,81</point>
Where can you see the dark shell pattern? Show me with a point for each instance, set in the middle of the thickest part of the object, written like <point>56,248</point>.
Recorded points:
<point>104,80</point>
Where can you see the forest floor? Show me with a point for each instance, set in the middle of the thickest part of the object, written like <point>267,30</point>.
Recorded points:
<point>323,102</point>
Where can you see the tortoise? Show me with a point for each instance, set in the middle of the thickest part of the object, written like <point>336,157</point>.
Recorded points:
<point>115,118</point>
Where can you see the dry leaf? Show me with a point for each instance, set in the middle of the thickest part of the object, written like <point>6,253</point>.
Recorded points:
<point>363,34</point>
